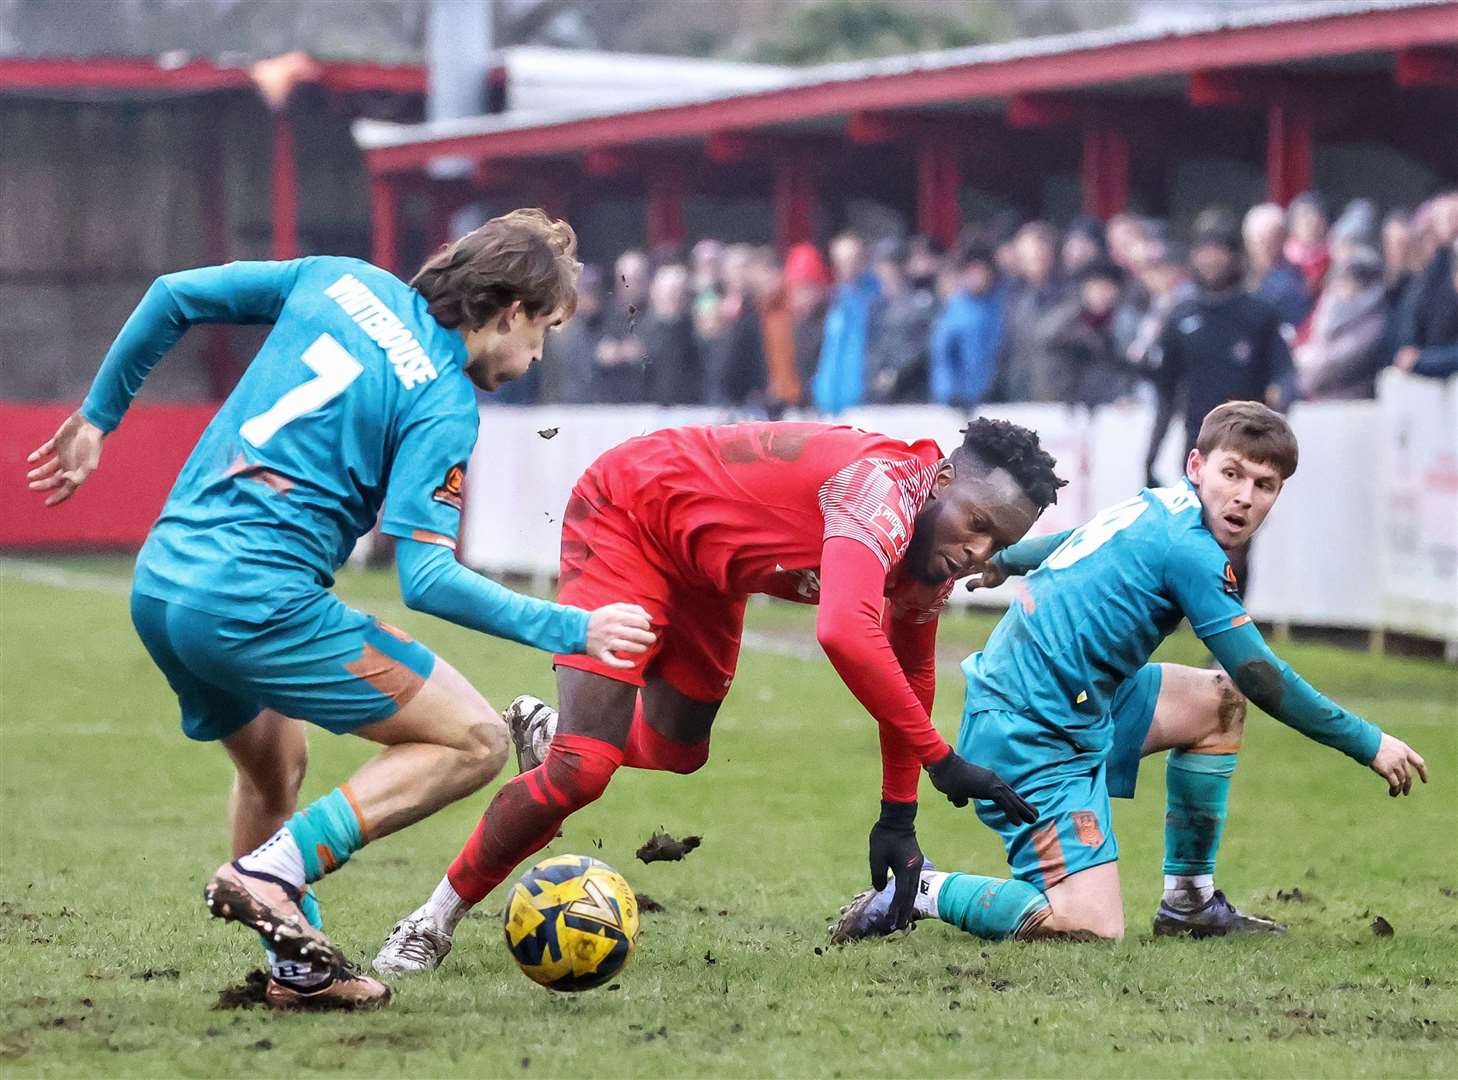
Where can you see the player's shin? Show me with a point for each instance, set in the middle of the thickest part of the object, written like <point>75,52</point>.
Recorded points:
<point>526,813</point>
<point>1197,787</point>
<point>991,908</point>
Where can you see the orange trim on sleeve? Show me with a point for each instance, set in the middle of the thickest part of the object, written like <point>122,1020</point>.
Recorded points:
<point>433,538</point>
<point>1239,620</point>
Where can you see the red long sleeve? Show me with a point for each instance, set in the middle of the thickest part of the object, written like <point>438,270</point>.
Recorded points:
<point>852,588</point>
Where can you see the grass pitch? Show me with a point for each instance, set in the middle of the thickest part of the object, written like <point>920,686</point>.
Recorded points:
<point>111,820</point>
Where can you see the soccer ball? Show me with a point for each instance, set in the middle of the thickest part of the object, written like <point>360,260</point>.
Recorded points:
<point>571,922</point>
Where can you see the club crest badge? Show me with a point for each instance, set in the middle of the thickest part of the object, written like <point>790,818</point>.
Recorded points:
<point>452,489</point>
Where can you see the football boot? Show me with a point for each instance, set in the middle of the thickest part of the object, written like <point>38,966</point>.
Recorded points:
<point>269,906</point>
<point>869,914</point>
<point>1217,917</point>
<point>532,723</point>
<point>416,944</point>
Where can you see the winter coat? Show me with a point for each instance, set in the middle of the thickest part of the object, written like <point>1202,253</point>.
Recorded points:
<point>840,377</point>
<point>1340,359</point>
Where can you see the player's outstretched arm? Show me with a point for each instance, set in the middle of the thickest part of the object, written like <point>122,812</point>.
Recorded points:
<point>1021,558</point>
<point>1270,682</point>
<point>242,292</point>
<point>238,292</point>
<point>432,581</point>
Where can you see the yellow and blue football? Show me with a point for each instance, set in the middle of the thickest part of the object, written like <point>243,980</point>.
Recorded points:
<point>571,922</point>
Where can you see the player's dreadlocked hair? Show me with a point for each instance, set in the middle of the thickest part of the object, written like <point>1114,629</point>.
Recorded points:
<point>523,255</point>
<point>998,444</point>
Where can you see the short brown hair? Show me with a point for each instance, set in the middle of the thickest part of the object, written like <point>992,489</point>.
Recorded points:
<point>1251,430</point>
<point>523,255</point>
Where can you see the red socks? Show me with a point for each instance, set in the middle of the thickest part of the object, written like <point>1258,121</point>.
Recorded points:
<point>647,749</point>
<point>527,812</point>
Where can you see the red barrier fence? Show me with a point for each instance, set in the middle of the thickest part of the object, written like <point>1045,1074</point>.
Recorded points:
<point>117,506</point>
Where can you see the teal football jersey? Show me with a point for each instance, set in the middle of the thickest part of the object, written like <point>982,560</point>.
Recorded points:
<point>357,401</point>
<point>1092,614</point>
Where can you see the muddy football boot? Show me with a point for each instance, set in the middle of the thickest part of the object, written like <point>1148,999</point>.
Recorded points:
<point>869,914</point>
<point>1217,918</point>
<point>269,906</point>
<point>416,944</point>
<point>532,723</point>
<point>345,988</point>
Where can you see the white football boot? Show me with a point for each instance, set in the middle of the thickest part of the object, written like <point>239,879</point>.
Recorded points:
<point>416,944</point>
<point>532,723</point>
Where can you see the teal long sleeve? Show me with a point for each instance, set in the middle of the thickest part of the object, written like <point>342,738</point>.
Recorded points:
<point>242,293</point>
<point>1027,555</point>
<point>432,581</point>
<point>1271,684</point>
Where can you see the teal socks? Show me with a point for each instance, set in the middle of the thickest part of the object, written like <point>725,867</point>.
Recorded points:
<point>309,905</point>
<point>1197,787</point>
<point>328,831</point>
<point>991,908</point>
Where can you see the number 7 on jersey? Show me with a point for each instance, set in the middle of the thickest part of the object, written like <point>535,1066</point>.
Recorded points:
<point>334,369</point>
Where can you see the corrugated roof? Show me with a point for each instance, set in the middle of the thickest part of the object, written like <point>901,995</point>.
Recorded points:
<point>371,135</point>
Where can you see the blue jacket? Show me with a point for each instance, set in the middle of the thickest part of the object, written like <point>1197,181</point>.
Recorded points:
<point>1283,287</point>
<point>965,342</point>
<point>840,378</point>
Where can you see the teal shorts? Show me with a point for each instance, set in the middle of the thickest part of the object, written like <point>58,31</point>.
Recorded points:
<point>1069,786</point>
<point>315,659</point>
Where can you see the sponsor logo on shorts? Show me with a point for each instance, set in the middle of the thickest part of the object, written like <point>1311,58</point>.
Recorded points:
<point>452,489</point>
<point>1086,828</point>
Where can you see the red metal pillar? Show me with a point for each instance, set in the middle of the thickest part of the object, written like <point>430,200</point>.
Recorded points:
<point>1104,170</point>
<point>1288,149</point>
<point>285,206</point>
<point>938,190</point>
<point>666,191</point>
<point>795,199</point>
<point>384,222</point>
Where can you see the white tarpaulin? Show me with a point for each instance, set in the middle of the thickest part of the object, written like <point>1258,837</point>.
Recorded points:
<point>1416,506</point>
<point>1364,536</point>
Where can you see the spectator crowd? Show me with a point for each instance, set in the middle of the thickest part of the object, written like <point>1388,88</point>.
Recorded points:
<point>1282,305</point>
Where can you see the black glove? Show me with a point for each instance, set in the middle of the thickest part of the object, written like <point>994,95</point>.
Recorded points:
<point>894,850</point>
<point>959,780</point>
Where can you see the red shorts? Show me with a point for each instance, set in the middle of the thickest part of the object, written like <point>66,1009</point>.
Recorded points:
<point>607,557</point>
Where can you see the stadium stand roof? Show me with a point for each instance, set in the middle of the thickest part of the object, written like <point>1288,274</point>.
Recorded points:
<point>1299,33</point>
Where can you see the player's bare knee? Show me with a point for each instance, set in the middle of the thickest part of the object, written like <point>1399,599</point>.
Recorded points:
<point>485,746</point>
<point>1226,710</point>
<point>1079,926</point>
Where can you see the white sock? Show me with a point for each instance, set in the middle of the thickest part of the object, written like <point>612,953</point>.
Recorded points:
<point>279,856</point>
<point>445,908</point>
<point>927,893</point>
<point>1186,892</point>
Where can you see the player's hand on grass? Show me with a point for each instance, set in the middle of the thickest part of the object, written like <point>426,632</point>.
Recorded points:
<point>895,852</point>
<point>1396,762</point>
<point>618,628</point>
<point>961,781</point>
<point>66,459</point>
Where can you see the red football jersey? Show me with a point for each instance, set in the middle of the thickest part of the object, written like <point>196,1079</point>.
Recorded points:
<point>746,508</point>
